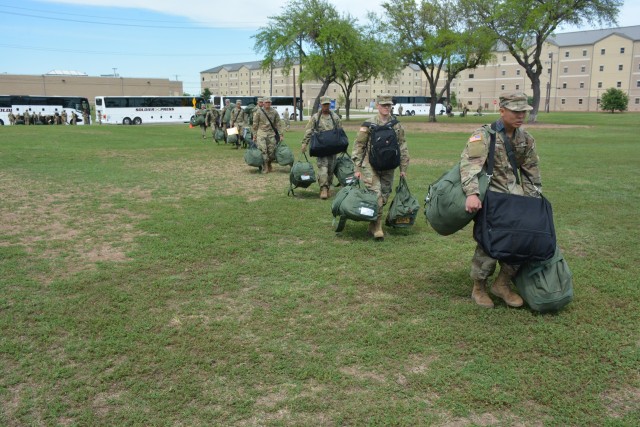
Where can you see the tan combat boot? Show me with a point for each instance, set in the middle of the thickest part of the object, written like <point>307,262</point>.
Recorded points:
<point>372,228</point>
<point>501,288</point>
<point>265,168</point>
<point>378,234</point>
<point>269,167</point>
<point>479,294</point>
<point>324,193</point>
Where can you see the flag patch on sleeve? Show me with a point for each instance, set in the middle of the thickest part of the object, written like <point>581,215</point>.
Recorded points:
<point>475,138</point>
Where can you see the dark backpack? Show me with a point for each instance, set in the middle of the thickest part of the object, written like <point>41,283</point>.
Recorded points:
<point>384,150</point>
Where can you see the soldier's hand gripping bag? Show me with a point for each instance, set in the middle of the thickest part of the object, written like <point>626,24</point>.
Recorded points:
<point>404,207</point>
<point>444,205</point>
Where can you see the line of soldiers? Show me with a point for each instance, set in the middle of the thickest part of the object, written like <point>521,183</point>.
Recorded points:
<point>27,118</point>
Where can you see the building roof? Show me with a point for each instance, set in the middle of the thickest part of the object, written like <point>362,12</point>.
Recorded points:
<point>66,73</point>
<point>253,65</point>
<point>578,38</point>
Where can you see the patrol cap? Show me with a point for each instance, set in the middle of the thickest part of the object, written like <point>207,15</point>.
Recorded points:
<point>514,101</point>
<point>238,102</point>
<point>260,99</point>
<point>266,99</point>
<point>385,99</point>
<point>325,100</point>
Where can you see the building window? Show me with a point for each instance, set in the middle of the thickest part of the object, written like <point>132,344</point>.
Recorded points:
<point>566,54</point>
<point>583,69</point>
<point>584,52</point>
<point>470,89</point>
<point>517,72</point>
<point>581,85</point>
<point>504,58</point>
<point>620,67</point>
<point>565,70</point>
<point>504,73</point>
<point>564,85</point>
<point>517,87</point>
<point>621,50</point>
<point>637,101</point>
<point>580,101</point>
<point>602,68</point>
<point>602,51</point>
<point>470,76</point>
<point>563,101</point>
<point>619,84</point>
<point>598,101</point>
<point>548,70</point>
<point>638,83</point>
<point>502,86</point>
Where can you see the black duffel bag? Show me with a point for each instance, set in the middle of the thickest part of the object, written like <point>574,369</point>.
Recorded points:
<point>328,142</point>
<point>512,228</point>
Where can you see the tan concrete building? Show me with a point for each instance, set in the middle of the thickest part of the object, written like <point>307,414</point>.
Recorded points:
<point>78,84</point>
<point>579,67</point>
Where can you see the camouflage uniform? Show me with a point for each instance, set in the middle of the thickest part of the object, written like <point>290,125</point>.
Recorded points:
<point>379,181</point>
<point>325,164</point>
<point>215,121</point>
<point>264,134</point>
<point>63,117</point>
<point>26,117</point>
<point>12,118</point>
<point>238,119</point>
<point>473,159</point>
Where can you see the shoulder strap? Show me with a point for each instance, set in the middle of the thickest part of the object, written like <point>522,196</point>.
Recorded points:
<point>492,150</point>
<point>270,122</point>
<point>512,159</point>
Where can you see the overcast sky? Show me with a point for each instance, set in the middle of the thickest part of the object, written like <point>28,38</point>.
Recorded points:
<point>150,38</point>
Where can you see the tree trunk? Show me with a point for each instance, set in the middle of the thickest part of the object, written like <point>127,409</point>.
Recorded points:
<point>347,104</point>
<point>535,85</point>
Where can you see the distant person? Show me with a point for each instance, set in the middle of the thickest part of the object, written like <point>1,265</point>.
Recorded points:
<point>400,110</point>
<point>63,117</point>
<point>226,116</point>
<point>26,118</point>
<point>238,119</point>
<point>465,110</point>
<point>449,110</point>
<point>85,116</point>
<point>74,118</point>
<point>285,117</point>
<point>12,118</point>
<point>479,110</point>
<point>265,123</point>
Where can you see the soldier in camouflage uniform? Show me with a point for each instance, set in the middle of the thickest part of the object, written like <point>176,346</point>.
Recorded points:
<point>26,118</point>
<point>63,116</point>
<point>379,181</point>
<point>513,110</point>
<point>265,135</point>
<point>238,119</point>
<point>215,121</point>
<point>321,121</point>
<point>12,118</point>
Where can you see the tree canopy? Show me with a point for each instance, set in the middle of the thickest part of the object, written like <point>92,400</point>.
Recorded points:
<point>439,38</point>
<point>614,99</point>
<point>524,25</point>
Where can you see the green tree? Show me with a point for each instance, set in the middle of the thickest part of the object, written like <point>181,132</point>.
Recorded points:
<point>361,58</point>
<point>439,38</point>
<point>614,99</point>
<point>308,32</point>
<point>206,94</point>
<point>524,25</point>
<point>453,100</point>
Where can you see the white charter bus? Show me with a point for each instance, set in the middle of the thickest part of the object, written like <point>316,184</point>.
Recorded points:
<point>278,103</point>
<point>416,105</point>
<point>44,106</point>
<point>136,110</point>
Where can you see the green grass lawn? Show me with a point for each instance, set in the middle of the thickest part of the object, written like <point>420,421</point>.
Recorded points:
<point>150,278</point>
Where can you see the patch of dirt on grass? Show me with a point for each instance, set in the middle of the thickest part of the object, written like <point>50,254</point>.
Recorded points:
<point>360,374</point>
<point>621,402</point>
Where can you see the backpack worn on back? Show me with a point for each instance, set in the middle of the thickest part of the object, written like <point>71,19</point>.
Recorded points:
<point>546,285</point>
<point>301,175</point>
<point>404,207</point>
<point>354,203</point>
<point>384,149</point>
<point>284,155</point>
<point>343,169</point>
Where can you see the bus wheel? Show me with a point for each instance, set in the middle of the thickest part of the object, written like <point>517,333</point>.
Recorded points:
<point>413,113</point>
<point>126,121</point>
<point>137,121</point>
<point>292,117</point>
<point>1,123</point>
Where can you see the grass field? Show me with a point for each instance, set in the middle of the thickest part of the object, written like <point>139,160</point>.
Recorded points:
<point>150,279</point>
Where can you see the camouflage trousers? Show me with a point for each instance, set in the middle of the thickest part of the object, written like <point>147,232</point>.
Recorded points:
<point>379,181</point>
<point>267,144</point>
<point>325,170</point>
<point>483,266</point>
<point>203,128</point>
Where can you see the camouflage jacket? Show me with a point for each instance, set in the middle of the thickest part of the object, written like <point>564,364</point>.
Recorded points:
<point>475,155</point>
<point>261,123</point>
<point>324,122</point>
<point>238,117</point>
<point>360,150</point>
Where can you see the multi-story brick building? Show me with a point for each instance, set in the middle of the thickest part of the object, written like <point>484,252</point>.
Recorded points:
<point>579,67</point>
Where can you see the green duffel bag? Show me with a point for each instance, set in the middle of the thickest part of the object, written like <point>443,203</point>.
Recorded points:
<point>197,120</point>
<point>546,285</point>
<point>302,175</point>
<point>218,135</point>
<point>344,169</point>
<point>284,155</point>
<point>404,207</point>
<point>232,139</point>
<point>354,203</point>
<point>445,202</point>
<point>253,156</point>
